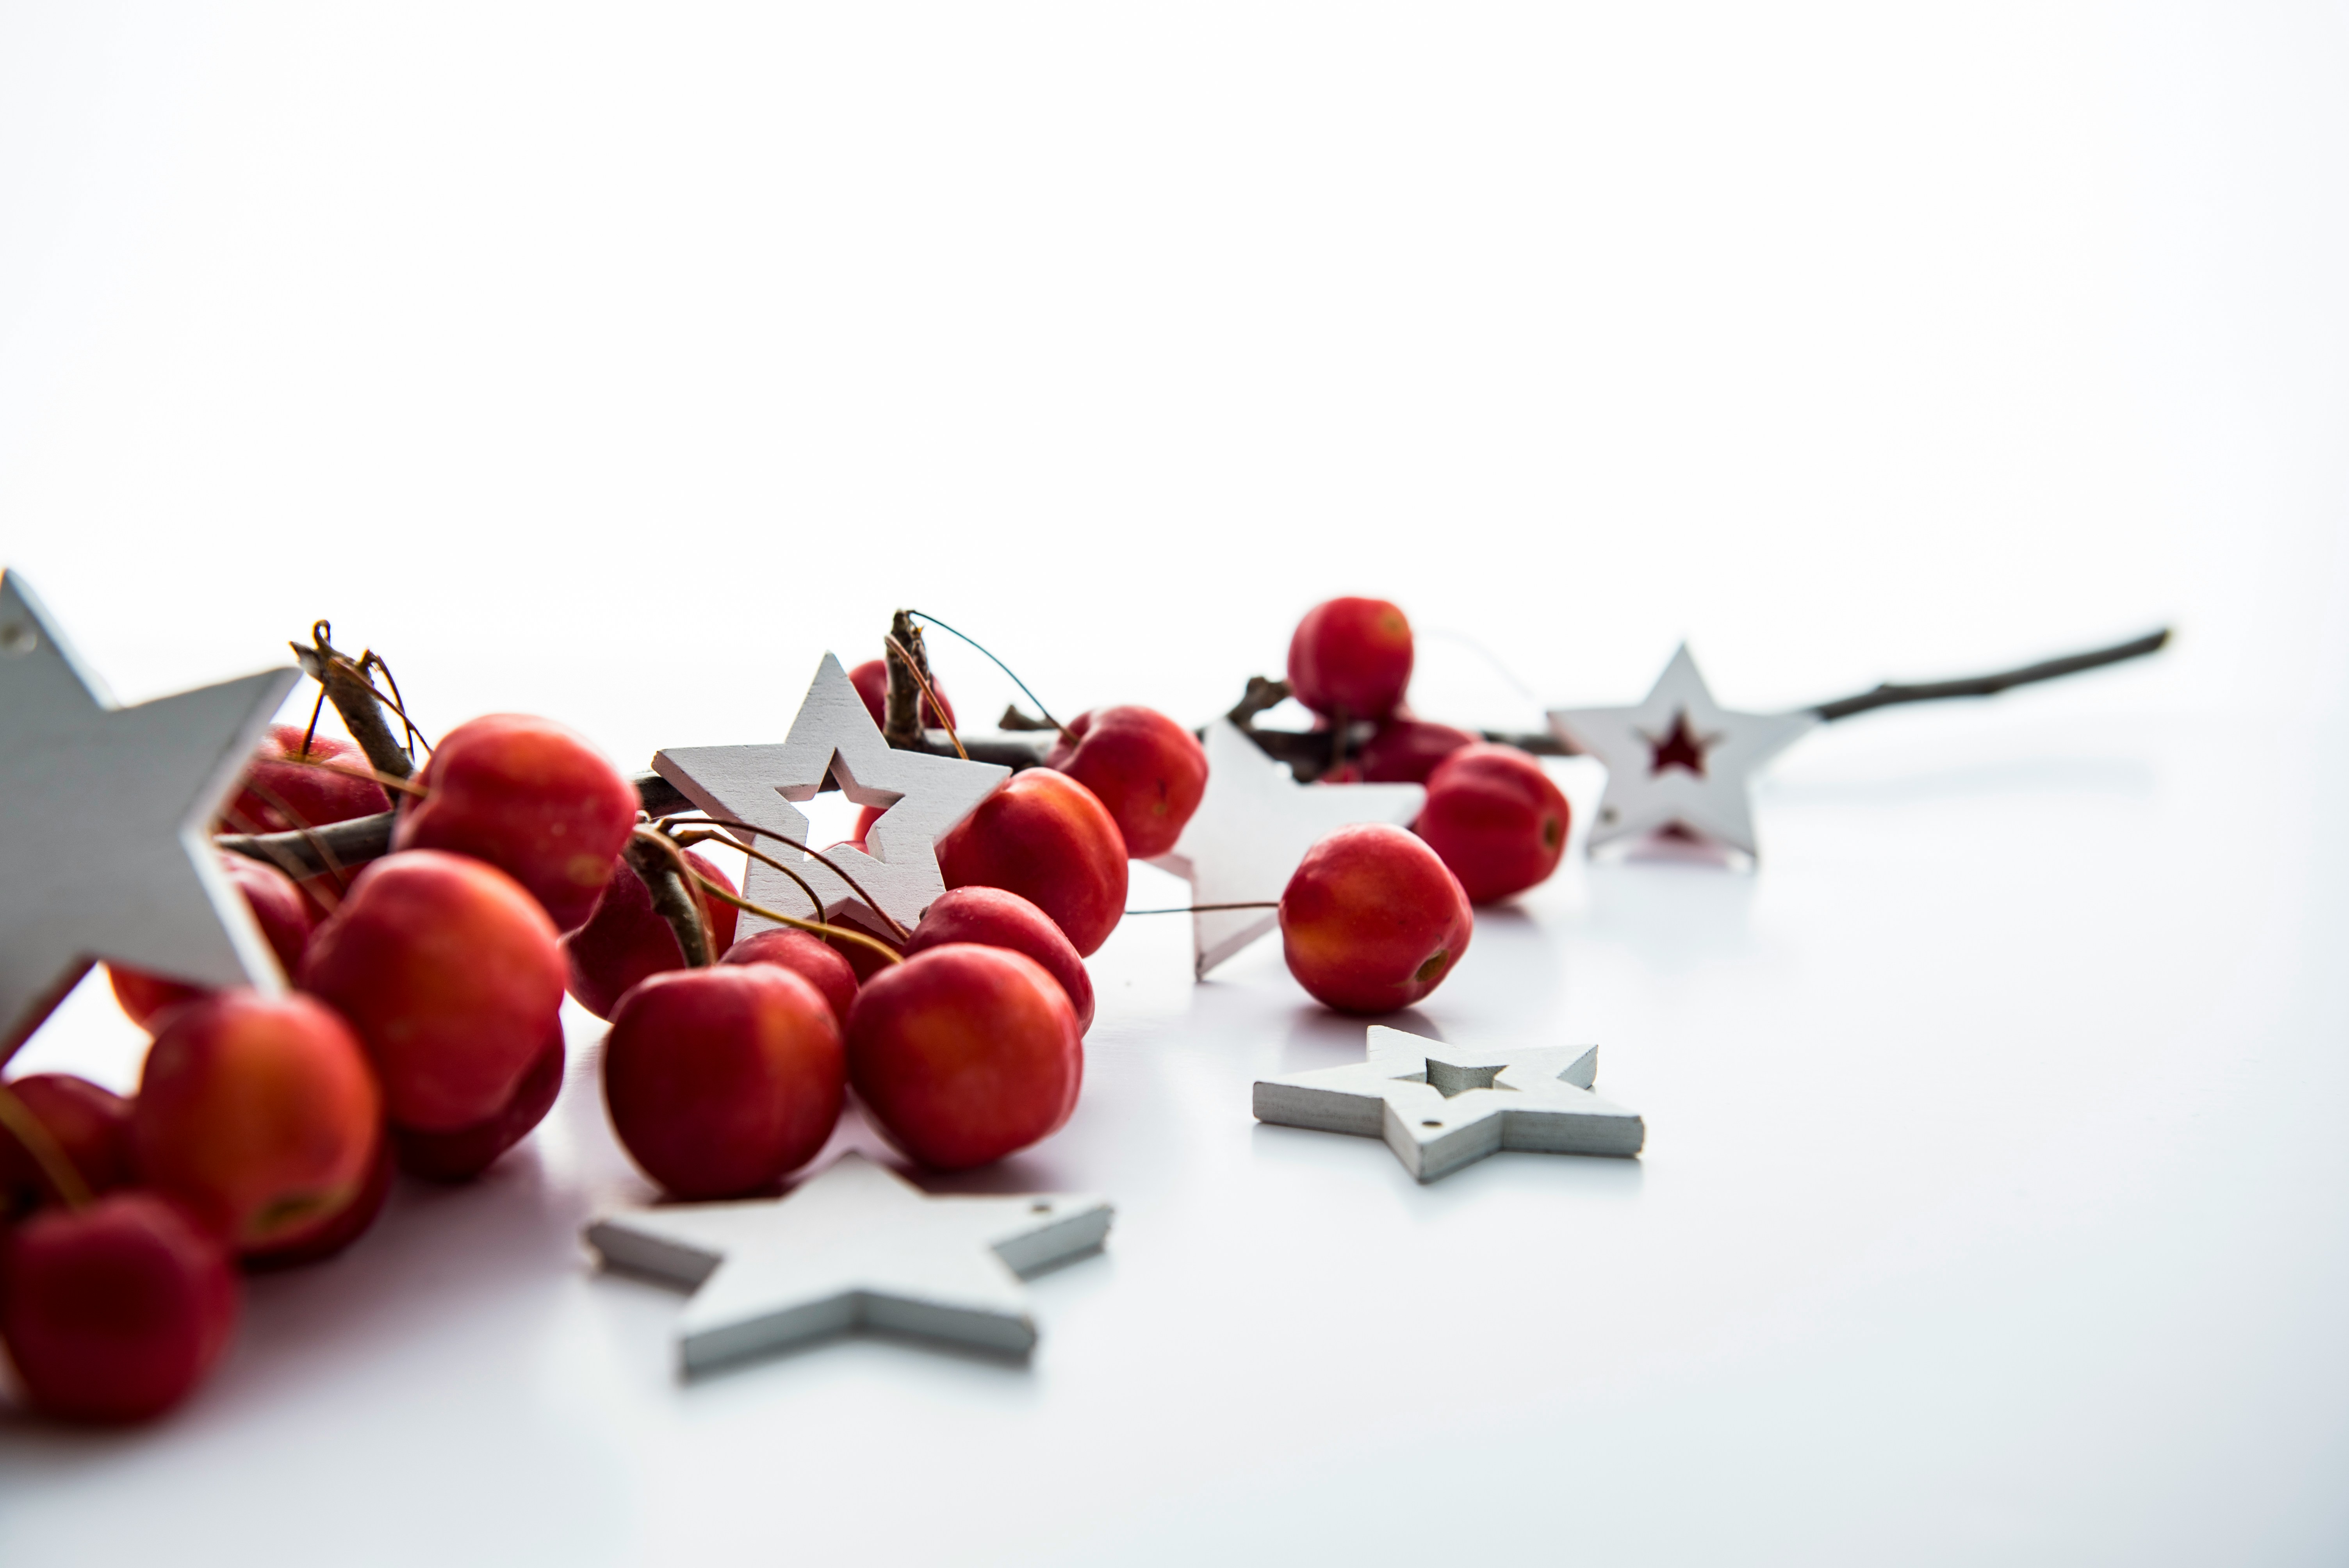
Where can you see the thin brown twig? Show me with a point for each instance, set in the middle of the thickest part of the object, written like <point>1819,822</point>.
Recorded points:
<point>914,669</point>
<point>701,951</point>
<point>814,927</point>
<point>405,786</point>
<point>47,1153</point>
<point>1204,908</point>
<point>998,663</point>
<point>687,841</point>
<point>827,862</point>
<point>310,836</point>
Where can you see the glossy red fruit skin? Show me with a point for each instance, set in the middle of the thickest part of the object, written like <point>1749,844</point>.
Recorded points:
<point>461,1153</point>
<point>871,680</point>
<point>1406,750</point>
<point>965,1054</point>
<point>862,962</point>
<point>451,976</point>
<point>259,1114</point>
<point>1497,819</point>
<point>316,796</point>
<point>1350,656</point>
<point>720,1081</point>
<point>114,1313</point>
<point>530,798</point>
<point>1372,920</point>
<point>336,1231</point>
<point>92,1125</point>
<point>1048,838</point>
<point>1145,769</point>
<point>623,940</point>
<point>807,957</point>
<point>285,919</point>
<point>995,918</point>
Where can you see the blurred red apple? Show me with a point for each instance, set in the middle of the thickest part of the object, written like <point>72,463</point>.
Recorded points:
<point>452,976</point>
<point>807,957</point>
<point>721,1080</point>
<point>278,907</point>
<point>623,940</point>
<point>965,1052</point>
<point>90,1125</point>
<point>330,1234</point>
<point>258,1113</point>
<point>995,918</point>
<point>1350,657</point>
<point>1497,819</point>
<point>530,798</point>
<point>1145,769</point>
<point>114,1312</point>
<point>1048,838</point>
<point>1406,750</point>
<point>315,796</point>
<point>1372,920</point>
<point>460,1154</point>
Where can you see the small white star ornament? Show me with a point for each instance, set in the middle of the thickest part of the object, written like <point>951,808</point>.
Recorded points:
<point>855,1245</point>
<point>104,819</point>
<point>834,735</point>
<point>1253,827</point>
<point>1678,760</point>
<point>1440,1108</point>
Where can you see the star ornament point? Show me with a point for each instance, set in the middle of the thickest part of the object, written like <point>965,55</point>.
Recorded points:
<point>832,737</point>
<point>1679,761</point>
<point>1252,827</point>
<point>105,813</point>
<point>855,1245</point>
<point>1440,1108</point>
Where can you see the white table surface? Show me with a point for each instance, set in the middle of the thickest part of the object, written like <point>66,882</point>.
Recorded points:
<point>613,365</point>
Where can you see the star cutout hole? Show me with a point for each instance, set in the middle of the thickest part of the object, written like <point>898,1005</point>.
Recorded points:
<point>832,813</point>
<point>1679,747</point>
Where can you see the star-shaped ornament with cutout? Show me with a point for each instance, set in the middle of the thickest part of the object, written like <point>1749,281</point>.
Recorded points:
<point>834,736</point>
<point>1679,762</point>
<point>105,814</point>
<point>855,1245</point>
<point>1253,826</point>
<point>1440,1108</point>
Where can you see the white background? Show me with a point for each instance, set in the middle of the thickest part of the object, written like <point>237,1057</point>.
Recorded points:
<point>615,362</point>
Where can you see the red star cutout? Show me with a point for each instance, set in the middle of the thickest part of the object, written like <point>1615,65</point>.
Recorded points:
<point>1679,747</point>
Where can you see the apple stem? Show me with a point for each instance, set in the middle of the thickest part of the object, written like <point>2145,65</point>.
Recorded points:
<point>286,861</point>
<point>825,860</point>
<point>660,864</point>
<point>998,663</point>
<point>1206,908</point>
<point>812,928</point>
<point>46,1152</point>
<point>348,685</point>
<point>922,679</point>
<point>687,840</point>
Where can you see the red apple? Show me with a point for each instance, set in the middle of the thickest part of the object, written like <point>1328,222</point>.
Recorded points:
<point>1406,750</point>
<point>994,918</point>
<point>452,976</point>
<point>258,1113</point>
<point>1147,770</point>
<point>624,941</point>
<point>862,962</point>
<point>1350,657</point>
<point>1497,819</point>
<point>314,796</point>
<point>871,680</point>
<point>721,1080</point>
<point>807,956</point>
<point>965,1054</point>
<point>278,907</point>
<point>332,1232</point>
<point>114,1313</point>
<point>1372,920</point>
<point>461,1153</point>
<point>533,799</point>
<point>1048,838</point>
<point>90,1125</point>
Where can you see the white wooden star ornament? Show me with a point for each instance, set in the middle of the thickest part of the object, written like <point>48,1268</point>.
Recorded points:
<point>1678,760</point>
<point>855,1245</point>
<point>1440,1108</point>
<point>104,820</point>
<point>1253,826</point>
<point>833,736</point>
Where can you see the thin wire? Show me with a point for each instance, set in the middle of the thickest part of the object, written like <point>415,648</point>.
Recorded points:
<point>998,663</point>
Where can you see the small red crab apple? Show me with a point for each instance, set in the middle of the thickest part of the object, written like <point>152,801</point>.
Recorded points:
<point>720,1081</point>
<point>114,1312</point>
<point>994,918</point>
<point>1405,750</point>
<point>259,1114</point>
<point>278,907</point>
<point>91,1126</point>
<point>1350,657</point>
<point>965,1054</point>
<point>811,959</point>
<point>461,1153</point>
<point>282,778</point>
<point>1497,819</point>
<point>1048,838</point>
<point>1147,770</point>
<point>626,940</point>
<point>530,798</point>
<point>1372,920</point>
<point>336,1231</point>
<point>871,680</point>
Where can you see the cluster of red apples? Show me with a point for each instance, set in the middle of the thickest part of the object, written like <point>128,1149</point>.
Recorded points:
<point>422,1032</point>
